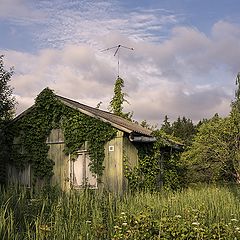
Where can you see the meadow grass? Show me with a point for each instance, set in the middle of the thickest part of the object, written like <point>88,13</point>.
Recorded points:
<point>206,212</point>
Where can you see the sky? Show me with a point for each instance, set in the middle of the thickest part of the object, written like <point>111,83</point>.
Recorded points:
<point>184,63</point>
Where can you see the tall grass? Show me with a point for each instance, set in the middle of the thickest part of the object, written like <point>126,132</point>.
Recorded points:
<point>87,214</point>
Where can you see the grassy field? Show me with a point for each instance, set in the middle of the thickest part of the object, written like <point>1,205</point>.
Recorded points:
<point>206,212</point>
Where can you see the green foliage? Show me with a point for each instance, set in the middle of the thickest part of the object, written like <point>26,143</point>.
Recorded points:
<point>173,171</point>
<point>32,131</point>
<point>79,128</point>
<point>7,101</point>
<point>166,126</point>
<point>144,175</point>
<point>116,104</point>
<point>210,158</point>
<point>172,168</point>
<point>159,163</point>
<point>141,226</point>
<point>183,129</point>
<point>235,129</point>
<point>48,112</point>
<point>204,213</point>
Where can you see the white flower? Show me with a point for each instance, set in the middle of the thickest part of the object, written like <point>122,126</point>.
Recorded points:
<point>195,223</point>
<point>124,224</point>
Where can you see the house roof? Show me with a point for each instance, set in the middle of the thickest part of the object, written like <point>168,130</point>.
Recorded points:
<point>116,121</point>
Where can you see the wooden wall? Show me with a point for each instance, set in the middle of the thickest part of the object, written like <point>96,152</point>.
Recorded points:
<point>113,178</point>
<point>130,153</point>
<point>21,177</point>
<point>61,160</point>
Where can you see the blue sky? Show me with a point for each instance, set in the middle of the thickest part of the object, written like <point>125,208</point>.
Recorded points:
<point>185,58</point>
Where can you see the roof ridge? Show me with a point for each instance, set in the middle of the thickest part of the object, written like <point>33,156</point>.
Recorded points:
<point>97,109</point>
<point>115,120</point>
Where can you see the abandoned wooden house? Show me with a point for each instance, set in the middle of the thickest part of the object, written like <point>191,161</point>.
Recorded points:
<point>73,170</point>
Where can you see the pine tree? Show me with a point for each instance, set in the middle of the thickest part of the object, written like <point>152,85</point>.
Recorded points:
<point>166,126</point>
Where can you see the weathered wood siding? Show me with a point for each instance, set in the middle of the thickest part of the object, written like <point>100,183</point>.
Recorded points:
<point>113,173</point>
<point>16,176</point>
<point>61,160</point>
<point>113,176</point>
<point>115,151</point>
<point>130,153</point>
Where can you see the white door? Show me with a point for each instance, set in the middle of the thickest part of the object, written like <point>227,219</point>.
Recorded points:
<point>81,174</point>
<point>78,171</point>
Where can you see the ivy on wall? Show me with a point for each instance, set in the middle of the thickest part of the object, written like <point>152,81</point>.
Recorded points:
<point>158,164</point>
<point>79,128</point>
<point>144,175</point>
<point>49,113</point>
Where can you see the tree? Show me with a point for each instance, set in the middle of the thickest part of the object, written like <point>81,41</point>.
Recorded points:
<point>210,158</point>
<point>7,101</point>
<point>166,126</point>
<point>235,128</point>
<point>116,104</point>
<point>215,152</point>
<point>183,129</point>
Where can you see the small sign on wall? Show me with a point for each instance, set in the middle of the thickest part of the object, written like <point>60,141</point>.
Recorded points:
<point>111,148</point>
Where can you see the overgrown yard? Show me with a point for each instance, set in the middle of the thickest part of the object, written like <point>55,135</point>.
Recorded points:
<point>206,212</point>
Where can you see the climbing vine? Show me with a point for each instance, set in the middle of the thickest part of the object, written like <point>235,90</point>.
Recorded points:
<point>144,175</point>
<point>31,131</point>
<point>79,128</point>
<point>156,166</point>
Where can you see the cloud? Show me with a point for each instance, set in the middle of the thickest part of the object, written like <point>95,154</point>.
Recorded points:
<point>86,21</point>
<point>189,74</point>
<point>19,11</point>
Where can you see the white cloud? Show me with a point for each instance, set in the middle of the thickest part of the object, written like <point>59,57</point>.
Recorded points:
<point>85,21</point>
<point>19,11</point>
<point>189,74</point>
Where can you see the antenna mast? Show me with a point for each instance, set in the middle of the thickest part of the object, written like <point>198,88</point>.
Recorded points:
<point>117,53</point>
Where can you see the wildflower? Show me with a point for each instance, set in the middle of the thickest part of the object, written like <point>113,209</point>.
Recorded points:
<point>45,228</point>
<point>237,228</point>
<point>178,216</point>
<point>124,224</point>
<point>195,223</point>
<point>122,213</point>
<point>234,220</point>
<point>89,222</point>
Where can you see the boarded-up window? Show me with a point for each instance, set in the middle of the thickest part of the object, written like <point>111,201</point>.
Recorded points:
<point>80,172</point>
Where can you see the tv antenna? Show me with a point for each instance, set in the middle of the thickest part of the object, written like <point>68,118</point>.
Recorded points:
<point>117,52</point>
